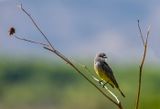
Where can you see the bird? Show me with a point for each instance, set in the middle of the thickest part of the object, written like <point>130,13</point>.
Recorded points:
<point>104,71</point>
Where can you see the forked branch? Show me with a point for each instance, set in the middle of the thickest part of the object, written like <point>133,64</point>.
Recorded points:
<point>51,48</point>
<point>145,45</point>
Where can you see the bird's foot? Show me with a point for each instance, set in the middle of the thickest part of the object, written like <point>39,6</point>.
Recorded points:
<point>100,82</point>
<point>104,84</point>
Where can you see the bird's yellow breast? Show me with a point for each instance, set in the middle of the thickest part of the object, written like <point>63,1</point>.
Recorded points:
<point>102,74</point>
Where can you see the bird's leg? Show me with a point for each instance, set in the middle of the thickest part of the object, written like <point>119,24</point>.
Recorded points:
<point>100,82</point>
<point>105,83</point>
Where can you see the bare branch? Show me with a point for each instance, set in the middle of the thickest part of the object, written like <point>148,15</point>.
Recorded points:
<point>30,41</point>
<point>51,48</point>
<point>106,89</point>
<point>35,24</point>
<point>141,34</point>
<point>142,64</point>
<point>12,32</point>
<point>148,32</point>
<point>70,63</point>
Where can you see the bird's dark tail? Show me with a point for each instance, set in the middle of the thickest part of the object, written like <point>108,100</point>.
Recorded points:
<point>121,92</point>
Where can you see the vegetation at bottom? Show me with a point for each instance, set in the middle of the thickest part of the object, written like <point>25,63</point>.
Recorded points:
<point>31,83</point>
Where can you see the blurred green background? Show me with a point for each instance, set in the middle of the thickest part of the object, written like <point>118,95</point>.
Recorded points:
<point>36,83</point>
<point>31,78</point>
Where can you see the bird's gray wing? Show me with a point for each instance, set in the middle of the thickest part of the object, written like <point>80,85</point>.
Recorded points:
<point>109,73</point>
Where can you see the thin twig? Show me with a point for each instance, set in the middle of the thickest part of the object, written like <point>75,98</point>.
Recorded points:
<point>141,65</point>
<point>30,17</point>
<point>148,32</point>
<point>141,34</point>
<point>106,89</point>
<point>30,41</point>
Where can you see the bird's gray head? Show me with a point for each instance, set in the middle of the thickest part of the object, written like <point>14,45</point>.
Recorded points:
<point>102,55</point>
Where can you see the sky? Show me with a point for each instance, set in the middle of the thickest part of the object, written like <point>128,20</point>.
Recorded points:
<point>82,28</point>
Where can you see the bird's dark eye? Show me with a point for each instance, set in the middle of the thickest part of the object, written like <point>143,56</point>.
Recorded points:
<point>103,55</point>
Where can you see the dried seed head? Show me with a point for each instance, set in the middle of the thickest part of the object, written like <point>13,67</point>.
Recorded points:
<point>12,31</point>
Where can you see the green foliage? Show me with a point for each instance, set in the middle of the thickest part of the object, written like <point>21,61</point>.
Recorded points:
<point>40,84</point>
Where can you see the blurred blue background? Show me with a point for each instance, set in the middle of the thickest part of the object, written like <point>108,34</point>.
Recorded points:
<point>32,78</point>
<point>82,27</point>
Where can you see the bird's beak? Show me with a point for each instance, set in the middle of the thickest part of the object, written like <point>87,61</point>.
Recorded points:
<point>104,56</point>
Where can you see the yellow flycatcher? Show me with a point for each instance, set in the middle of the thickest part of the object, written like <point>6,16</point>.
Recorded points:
<point>104,71</point>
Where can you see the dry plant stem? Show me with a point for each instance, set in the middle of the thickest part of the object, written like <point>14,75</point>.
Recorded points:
<point>142,64</point>
<point>52,49</point>
<point>85,67</point>
<point>31,41</point>
<point>70,63</point>
<point>103,84</point>
<point>35,25</point>
<point>141,34</point>
<point>140,76</point>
